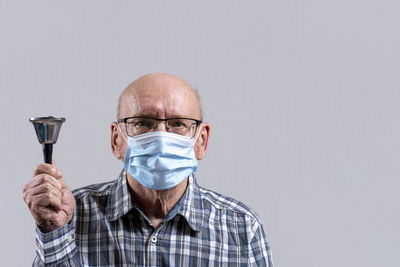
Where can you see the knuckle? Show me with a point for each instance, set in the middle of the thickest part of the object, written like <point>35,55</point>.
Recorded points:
<point>52,170</point>
<point>37,168</point>
<point>40,178</point>
<point>58,186</point>
<point>29,203</point>
<point>47,186</point>
<point>43,178</point>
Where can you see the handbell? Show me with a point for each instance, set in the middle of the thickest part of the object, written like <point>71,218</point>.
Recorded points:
<point>47,130</point>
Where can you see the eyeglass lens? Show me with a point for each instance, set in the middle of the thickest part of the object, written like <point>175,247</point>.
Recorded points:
<point>137,126</point>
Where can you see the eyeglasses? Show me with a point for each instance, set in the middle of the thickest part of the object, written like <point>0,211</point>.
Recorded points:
<point>141,125</point>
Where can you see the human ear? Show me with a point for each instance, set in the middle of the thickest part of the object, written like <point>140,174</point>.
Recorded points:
<point>118,143</point>
<point>201,145</point>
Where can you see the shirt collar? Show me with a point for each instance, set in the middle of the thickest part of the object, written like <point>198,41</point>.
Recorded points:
<point>119,201</point>
<point>190,205</point>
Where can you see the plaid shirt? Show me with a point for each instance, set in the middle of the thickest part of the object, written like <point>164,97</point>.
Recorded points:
<point>108,229</point>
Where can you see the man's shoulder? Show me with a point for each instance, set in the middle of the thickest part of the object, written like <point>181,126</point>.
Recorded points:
<point>94,190</point>
<point>220,202</point>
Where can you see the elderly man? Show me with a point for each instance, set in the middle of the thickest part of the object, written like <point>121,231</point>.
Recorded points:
<point>155,213</point>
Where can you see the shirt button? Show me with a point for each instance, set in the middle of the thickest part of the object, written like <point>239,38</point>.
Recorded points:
<point>154,239</point>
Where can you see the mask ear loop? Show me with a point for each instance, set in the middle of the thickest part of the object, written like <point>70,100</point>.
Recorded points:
<point>198,134</point>
<point>119,128</point>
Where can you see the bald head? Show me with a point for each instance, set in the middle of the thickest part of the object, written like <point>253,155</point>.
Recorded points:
<point>159,95</point>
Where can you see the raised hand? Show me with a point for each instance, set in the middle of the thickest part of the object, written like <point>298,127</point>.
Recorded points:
<point>49,198</point>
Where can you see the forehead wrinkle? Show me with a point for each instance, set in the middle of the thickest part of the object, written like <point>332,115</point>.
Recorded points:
<point>165,103</point>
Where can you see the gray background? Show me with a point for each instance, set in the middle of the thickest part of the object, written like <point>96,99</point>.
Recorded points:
<point>302,98</point>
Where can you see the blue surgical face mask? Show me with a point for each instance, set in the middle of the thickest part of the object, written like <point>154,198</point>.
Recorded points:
<point>160,160</point>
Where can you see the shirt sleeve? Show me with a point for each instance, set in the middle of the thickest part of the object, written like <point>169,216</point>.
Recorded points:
<point>260,253</point>
<point>57,248</point>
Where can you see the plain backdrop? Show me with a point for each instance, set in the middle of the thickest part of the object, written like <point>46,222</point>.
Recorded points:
<point>302,98</point>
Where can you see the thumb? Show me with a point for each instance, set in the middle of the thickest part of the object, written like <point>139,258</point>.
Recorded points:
<point>59,172</point>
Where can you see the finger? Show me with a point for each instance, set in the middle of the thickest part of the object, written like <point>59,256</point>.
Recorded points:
<point>66,194</point>
<point>44,200</point>
<point>29,195</point>
<point>24,188</point>
<point>42,189</point>
<point>64,185</point>
<point>48,169</point>
<point>59,170</point>
<point>42,179</point>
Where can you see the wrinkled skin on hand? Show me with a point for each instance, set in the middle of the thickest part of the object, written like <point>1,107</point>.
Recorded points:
<point>49,198</point>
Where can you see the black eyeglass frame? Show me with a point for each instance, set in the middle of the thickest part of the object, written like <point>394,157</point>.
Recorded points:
<point>198,122</point>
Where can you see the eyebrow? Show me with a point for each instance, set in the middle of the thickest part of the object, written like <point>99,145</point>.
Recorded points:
<point>170,118</point>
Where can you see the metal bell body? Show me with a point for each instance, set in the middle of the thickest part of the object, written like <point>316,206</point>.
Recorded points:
<point>47,128</point>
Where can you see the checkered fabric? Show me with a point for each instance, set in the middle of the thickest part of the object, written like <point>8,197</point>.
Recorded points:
<point>108,229</point>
